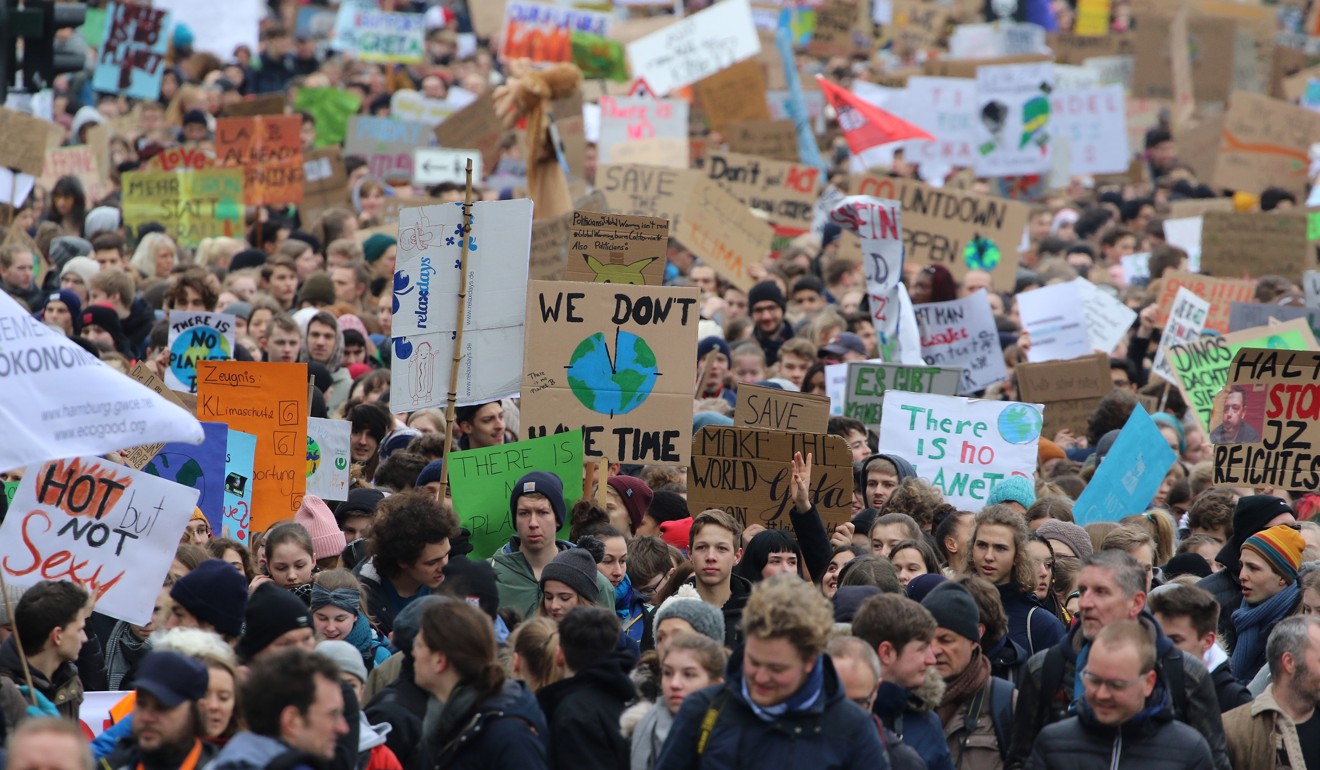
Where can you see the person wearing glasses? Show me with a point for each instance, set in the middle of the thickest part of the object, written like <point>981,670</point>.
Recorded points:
<point>1125,718</point>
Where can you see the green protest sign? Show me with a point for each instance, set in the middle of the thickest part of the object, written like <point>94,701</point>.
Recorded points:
<point>868,381</point>
<point>599,57</point>
<point>10,488</point>
<point>331,108</point>
<point>481,483</point>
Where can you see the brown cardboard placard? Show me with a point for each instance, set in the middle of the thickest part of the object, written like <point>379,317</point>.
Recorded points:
<point>1254,244</point>
<point>137,457</point>
<point>775,139</point>
<point>548,259</point>
<point>1070,48</point>
<point>966,68</point>
<point>786,192</point>
<point>273,104</point>
<point>1196,207</point>
<point>325,183</point>
<point>1212,75</point>
<point>668,153</point>
<point>918,26</point>
<point>1280,436</point>
<point>617,248</point>
<point>616,360</point>
<point>1219,292</point>
<point>1265,143</point>
<point>649,191</point>
<point>477,127</point>
<point>1069,390</point>
<point>735,93</point>
<point>781,410</point>
<point>23,142</point>
<point>720,231</point>
<point>1198,147</point>
<point>837,31</point>
<point>746,472</point>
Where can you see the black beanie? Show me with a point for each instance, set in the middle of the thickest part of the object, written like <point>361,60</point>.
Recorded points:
<point>766,291</point>
<point>360,502</point>
<point>849,599</point>
<point>214,593</point>
<point>271,613</point>
<point>473,581</point>
<point>247,258</point>
<point>574,568</point>
<point>540,482</point>
<point>1250,516</point>
<point>667,506</point>
<point>954,609</point>
<point>1187,564</point>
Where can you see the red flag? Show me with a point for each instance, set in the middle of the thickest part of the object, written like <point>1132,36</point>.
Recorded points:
<point>865,125</point>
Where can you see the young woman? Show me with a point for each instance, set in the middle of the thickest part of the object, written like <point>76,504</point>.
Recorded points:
<point>1309,584</point>
<point>232,552</point>
<point>1042,556</point>
<point>339,612</point>
<point>999,554</point>
<point>629,604</point>
<point>770,552</point>
<point>829,584</point>
<point>1270,560</point>
<point>220,706</point>
<point>288,561</point>
<point>688,663</point>
<point>535,645</point>
<point>912,558</point>
<point>566,582</point>
<point>68,205</point>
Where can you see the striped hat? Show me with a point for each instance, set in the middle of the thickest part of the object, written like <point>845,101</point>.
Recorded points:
<point>1281,546</point>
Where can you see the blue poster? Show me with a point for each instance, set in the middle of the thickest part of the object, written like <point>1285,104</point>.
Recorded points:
<point>197,466</point>
<point>242,447</point>
<point>1130,477</point>
<point>131,57</point>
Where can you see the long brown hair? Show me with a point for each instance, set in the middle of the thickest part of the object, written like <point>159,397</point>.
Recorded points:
<point>465,636</point>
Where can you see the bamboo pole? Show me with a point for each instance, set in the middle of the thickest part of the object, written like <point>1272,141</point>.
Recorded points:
<point>451,404</point>
<point>18,643</point>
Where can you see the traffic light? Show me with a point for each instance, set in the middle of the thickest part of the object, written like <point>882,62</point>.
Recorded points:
<point>45,57</point>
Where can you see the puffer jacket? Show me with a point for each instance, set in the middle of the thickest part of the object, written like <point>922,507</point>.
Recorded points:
<point>506,730</point>
<point>1260,734</point>
<point>1151,740</point>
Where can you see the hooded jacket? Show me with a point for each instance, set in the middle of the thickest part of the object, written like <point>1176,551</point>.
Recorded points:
<point>63,688</point>
<point>127,756</point>
<point>905,471</point>
<point>1031,715</point>
<point>402,705</point>
<point>519,587</point>
<point>137,326</point>
<point>379,606</point>
<point>1259,731</point>
<point>911,715</point>
<point>583,715</point>
<point>828,733</point>
<point>507,730</point>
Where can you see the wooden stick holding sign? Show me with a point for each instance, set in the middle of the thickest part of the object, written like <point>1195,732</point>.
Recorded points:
<point>602,474</point>
<point>18,642</point>
<point>451,404</point>
<point>701,377</point>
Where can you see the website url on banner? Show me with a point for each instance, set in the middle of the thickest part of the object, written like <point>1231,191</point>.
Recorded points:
<point>102,429</point>
<point>95,409</point>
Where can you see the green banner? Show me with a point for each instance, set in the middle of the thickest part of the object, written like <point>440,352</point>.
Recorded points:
<point>599,57</point>
<point>331,108</point>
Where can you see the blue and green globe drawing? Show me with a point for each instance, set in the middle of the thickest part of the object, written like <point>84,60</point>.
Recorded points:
<point>313,456</point>
<point>181,469</point>
<point>1019,424</point>
<point>612,384</point>
<point>982,254</point>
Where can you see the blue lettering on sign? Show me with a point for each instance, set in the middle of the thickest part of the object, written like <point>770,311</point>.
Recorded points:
<point>424,291</point>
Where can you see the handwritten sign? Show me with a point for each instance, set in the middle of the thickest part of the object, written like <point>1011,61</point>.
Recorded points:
<point>1219,292</point>
<point>617,248</point>
<point>878,226</point>
<point>179,159</point>
<point>545,33</point>
<point>1256,243</point>
<point>1275,445</point>
<point>131,58</point>
<point>109,528</point>
<point>386,144</point>
<point>719,230</point>
<point>782,410</point>
<point>734,94</point>
<point>1017,128</point>
<point>328,458</point>
<point>376,36</point>
<point>1068,389</point>
<point>695,47</point>
<point>1094,122</point>
<point>626,119</point>
<point>1127,483</point>
<point>869,381</point>
<point>195,336</point>
<point>22,142</point>
<point>1265,143</point>
<point>1049,315</point>
<point>1107,319</point>
<point>269,150</point>
<point>241,448</point>
<point>1185,324</point>
<point>548,258</point>
<point>78,161</point>
<point>200,466</point>
<point>774,139</point>
<point>192,205</point>
<point>961,333</point>
<point>647,191</point>
<point>784,191</point>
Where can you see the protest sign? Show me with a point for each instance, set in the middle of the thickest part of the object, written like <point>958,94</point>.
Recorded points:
<point>670,153</point>
<point>961,446</point>
<point>617,361</point>
<point>1093,120</point>
<point>481,483</point>
<point>731,95</point>
<point>427,281</point>
<point>548,259</point>
<point>1185,324</point>
<point>774,139</point>
<point>633,118</point>
<point>695,47</point>
<point>179,159</point>
<point>962,333</point>
<point>838,31</point>
<point>191,205</point>
<point>648,191</point>
<point>1014,105</point>
<point>599,57</point>
<point>1202,366</point>
<point>78,161</point>
<point>869,381</point>
<point>270,402</point>
<point>1069,390</point>
<point>1049,315</point>
<point>784,191</point>
<point>720,231</point>
<point>136,457</point>
<point>1248,315</point>
<point>200,466</point>
<point>746,472</point>
<point>1154,68</point>
<point>22,143</point>
<point>544,33</point>
<point>1107,319</point>
<point>476,126</point>
<point>196,335</point>
<point>1255,243</point>
<point>386,144</point>
<point>1271,440</point>
<point>131,56</point>
<point>1219,292</point>
<point>432,165</point>
<point>328,458</point>
<point>273,104</point>
<point>108,528</point>
<point>331,108</point>
<point>98,711</point>
<point>407,104</point>
<point>1265,144</point>
<point>878,225</point>
<point>268,148</point>
<point>617,248</point>
<point>325,182</point>
<point>961,231</point>
<point>241,448</point>
<point>1127,483</point>
<point>782,410</point>
<point>1000,39</point>
<point>945,108</point>
<point>372,35</point>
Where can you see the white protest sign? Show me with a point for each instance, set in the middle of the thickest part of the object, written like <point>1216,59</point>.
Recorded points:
<point>1311,285</point>
<point>60,401</point>
<point>1186,322</point>
<point>695,47</point>
<point>426,284</point>
<point>94,712</point>
<point>112,529</point>
<point>1185,233</point>
<point>1107,319</point>
<point>637,118</point>
<point>946,107</point>
<point>196,335</point>
<point>996,40</point>
<point>878,224</point>
<point>15,187</point>
<point>1016,131</point>
<point>1050,316</point>
<point>328,458</point>
<point>407,104</point>
<point>435,165</point>
<point>1112,70</point>
<point>962,333</point>
<point>1136,267</point>
<point>1068,77</point>
<point>218,28</point>
<point>961,446</point>
<point>1094,121</point>
<point>836,386</point>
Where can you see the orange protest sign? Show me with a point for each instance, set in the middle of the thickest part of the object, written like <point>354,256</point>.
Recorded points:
<point>269,150</point>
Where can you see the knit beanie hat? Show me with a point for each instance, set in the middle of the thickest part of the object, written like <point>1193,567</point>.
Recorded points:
<point>849,599</point>
<point>921,585</point>
<point>954,609</point>
<point>214,593</point>
<point>677,533</point>
<point>1013,489</point>
<point>430,473</point>
<point>547,484</point>
<point>271,612</point>
<point>374,247</point>
<point>667,506</point>
<point>360,502</point>
<point>247,258</point>
<point>320,523</point>
<point>398,439</point>
<point>1186,564</point>
<point>1250,516</point>
<point>574,568</point>
<point>317,290</point>
<point>686,603</point>
<point>635,494</point>
<point>101,219</point>
<point>83,267</point>
<point>766,291</point>
<point>70,301</point>
<point>1069,534</point>
<point>66,247</point>
<point>1281,547</point>
<point>707,344</point>
<point>345,655</point>
<point>702,419</point>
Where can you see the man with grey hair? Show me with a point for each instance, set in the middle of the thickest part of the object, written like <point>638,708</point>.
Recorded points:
<point>858,668</point>
<point>1112,585</point>
<point>1280,729</point>
<point>44,743</point>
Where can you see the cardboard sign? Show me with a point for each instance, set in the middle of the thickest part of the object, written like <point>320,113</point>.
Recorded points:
<point>481,483</point>
<point>476,126</point>
<point>774,139</point>
<point>961,333</point>
<point>1069,390</point>
<point>730,95</point>
<point>781,410</point>
<point>1127,483</point>
<point>386,144</point>
<point>241,449</point>
<point>131,56</point>
<point>648,191</point>
<point>961,231</point>
<point>275,104</point>
<point>1220,292</point>
<point>268,148</point>
<point>376,36</point>
<point>635,118</point>
<point>325,182</point>
<point>961,446</point>
<point>22,142</point>
<point>200,466</point>
<point>432,165</point>
<point>1265,144</point>
<point>617,248</point>
<point>544,33</point>
<point>1049,315</point>
<point>746,473</point>
<point>407,104</point>
<point>669,153</point>
<point>548,259</point>
<point>695,47</point>
<point>878,225</point>
<point>1271,441</point>
<point>192,205</point>
<point>109,528</point>
<point>1255,243</point>
<point>179,159</point>
<point>617,361</point>
<point>270,402</point>
<point>719,230</point>
<point>328,458</point>
<point>138,456</point>
<point>1093,120</point>
<point>1185,324</point>
<point>868,382</point>
<point>196,336</point>
<point>1153,73</point>
<point>427,281</point>
<point>78,161</point>
<point>1014,106</point>
<point>784,191</point>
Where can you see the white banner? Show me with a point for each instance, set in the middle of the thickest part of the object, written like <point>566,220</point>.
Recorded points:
<point>328,458</point>
<point>1050,316</point>
<point>696,47</point>
<point>1185,324</point>
<point>961,333</point>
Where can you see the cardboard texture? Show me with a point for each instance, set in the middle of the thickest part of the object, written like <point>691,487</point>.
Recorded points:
<point>269,151</point>
<point>918,25</point>
<point>617,361</point>
<point>868,382</point>
<point>1255,244</point>
<point>746,472</point>
<point>837,30</point>
<point>647,191</point>
<point>1068,389</point>
<point>274,104</point>
<point>325,183</point>
<point>1196,207</point>
<point>1265,143</point>
<point>549,251</point>
<point>786,192</point>
<point>668,153</point>
<point>1274,442</point>
<point>1208,39</point>
<point>734,94</point>
<point>138,456</point>
<point>721,232</point>
<point>781,410</point>
<point>775,139</point>
<point>22,141</point>
<point>617,248</point>
<point>1220,292</point>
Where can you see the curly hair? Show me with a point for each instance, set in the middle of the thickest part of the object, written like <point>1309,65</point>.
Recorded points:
<point>1024,572</point>
<point>194,278</point>
<point>405,524</point>
<point>1212,511</point>
<point>917,499</point>
<point>1111,413</point>
<point>786,607</point>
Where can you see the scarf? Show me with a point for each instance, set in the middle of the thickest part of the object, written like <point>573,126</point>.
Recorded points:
<point>962,687</point>
<point>1253,623</point>
<point>622,599</point>
<point>123,650</point>
<point>801,700</point>
<point>445,719</point>
<point>364,639</point>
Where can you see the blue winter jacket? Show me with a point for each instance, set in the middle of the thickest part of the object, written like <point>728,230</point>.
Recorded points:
<point>921,730</point>
<point>1044,629</point>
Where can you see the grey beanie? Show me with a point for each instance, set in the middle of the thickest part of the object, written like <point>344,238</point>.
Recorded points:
<point>345,655</point>
<point>1067,533</point>
<point>101,219</point>
<point>574,568</point>
<point>705,619</point>
<point>66,247</point>
<point>954,608</point>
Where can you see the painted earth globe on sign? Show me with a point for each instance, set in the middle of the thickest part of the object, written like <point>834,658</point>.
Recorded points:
<point>181,469</point>
<point>612,382</point>
<point>313,456</point>
<point>1019,424</point>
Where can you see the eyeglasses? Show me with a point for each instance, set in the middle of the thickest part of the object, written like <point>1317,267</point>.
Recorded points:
<point>199,529</point>
<point>1113,685</point>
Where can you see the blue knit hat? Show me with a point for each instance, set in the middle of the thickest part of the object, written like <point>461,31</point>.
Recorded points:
<point>1014,489</point>
<point>708,344</point>
<point>430,473</point>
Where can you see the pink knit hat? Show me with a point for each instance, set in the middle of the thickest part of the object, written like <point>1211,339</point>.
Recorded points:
<point>319,521</point>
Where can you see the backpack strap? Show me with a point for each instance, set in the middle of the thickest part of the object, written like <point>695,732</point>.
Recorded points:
<point>973,714</point>
<point>1176,682</point>
<point>1051,677</point>
<point>712,717</point>
<point>1031,644</point>
<point>1001,713</point>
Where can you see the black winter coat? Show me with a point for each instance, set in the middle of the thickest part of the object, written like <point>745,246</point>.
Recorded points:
<point>1152,740</point>
<point>506,731</point>
<point>583,714</point>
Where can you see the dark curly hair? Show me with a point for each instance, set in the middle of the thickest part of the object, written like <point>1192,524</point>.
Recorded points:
<point>405,524</point>
<point>1111,413</point>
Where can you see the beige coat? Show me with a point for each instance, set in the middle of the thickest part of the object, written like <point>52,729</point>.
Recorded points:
<point>1261,736</point>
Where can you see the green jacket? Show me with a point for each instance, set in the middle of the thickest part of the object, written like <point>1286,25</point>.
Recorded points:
<point>520,589</point>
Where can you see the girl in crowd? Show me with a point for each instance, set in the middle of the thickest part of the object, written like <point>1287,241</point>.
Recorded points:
<point>770,552</point>
<point>566,582</point>
<point>999,554</point>
<point>829,584</point>
<point>288,561</point>
<point>535,645</point>
<point>339,612</point>
<point>688,663</point>
<point>912,558</point>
